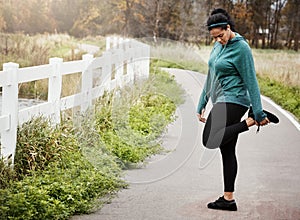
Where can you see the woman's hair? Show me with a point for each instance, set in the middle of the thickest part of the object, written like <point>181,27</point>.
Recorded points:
<point>219,18</point>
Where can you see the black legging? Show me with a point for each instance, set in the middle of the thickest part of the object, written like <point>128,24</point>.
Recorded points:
<point>222,128</point>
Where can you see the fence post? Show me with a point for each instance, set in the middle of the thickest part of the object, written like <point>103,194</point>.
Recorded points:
<point>54,88</point>
<point>129,51</point>
<point>146,57</point>
<point>10,107</point>
<point>87,82</point>
<point>137,60</point>
<point>120,63</point>
<point>115,42</point>
<point>108,39</point>
<point>107,70</point>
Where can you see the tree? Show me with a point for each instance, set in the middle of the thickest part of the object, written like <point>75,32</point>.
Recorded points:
<point>275,22</point>
<point>86,21</point>
<point>124,15</point>
<point>291,14</point>
<point>28,16</point>
<point>242,16</point>
<point>65,13</point>
<point>265,23</point>
<point>261,15</point>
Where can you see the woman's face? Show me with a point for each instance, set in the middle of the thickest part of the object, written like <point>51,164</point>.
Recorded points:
<point>220,35</point>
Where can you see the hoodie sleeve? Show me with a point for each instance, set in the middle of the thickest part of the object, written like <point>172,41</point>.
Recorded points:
<point>245,66</point>
<point>205,95</point>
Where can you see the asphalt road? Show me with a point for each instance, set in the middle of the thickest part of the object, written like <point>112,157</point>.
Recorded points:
<point>179,184</point>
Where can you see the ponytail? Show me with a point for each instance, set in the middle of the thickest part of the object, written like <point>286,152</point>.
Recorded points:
<point>220,18</point>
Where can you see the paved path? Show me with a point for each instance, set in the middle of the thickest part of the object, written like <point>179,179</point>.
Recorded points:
<point>24,103</point>
<point>91,49</point>
<point>178,185</point>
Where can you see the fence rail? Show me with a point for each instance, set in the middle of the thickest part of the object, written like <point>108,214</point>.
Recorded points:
<point>120,64</point>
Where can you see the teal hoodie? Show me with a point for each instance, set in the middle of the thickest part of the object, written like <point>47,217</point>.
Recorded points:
<point>232,78</point>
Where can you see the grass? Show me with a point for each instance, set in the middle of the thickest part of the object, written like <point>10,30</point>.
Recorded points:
<point>179,54</point>
<point>280,65</point>
<point>52,178</point>
<point>278,74</point>
<point>77,166</point>
<point>288,97</point>
<point>36,50</point>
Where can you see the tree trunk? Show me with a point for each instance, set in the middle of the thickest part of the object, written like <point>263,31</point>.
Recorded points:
<point>157,19</point>
<point>296,26</point>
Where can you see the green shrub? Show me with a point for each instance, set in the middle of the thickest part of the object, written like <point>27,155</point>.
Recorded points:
<point>66,187</point>
<point>39,143</point>
<point>131,121</point>
<point>161,82</point>
<point>56,180</point>
<point>119,139</point>
<point>7,174</point>
<point>288,97</point>
<point>151,114</point>
<point>77,166</point>
<point>92,146</point>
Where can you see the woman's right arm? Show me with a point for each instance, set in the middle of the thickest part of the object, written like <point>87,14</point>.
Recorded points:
<point>205,95</point>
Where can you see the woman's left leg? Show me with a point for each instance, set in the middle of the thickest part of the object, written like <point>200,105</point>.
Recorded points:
<point>228,150</point>
<point>230,165</point>
<point>228,138</point>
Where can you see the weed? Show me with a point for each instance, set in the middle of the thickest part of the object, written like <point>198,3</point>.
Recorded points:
<point>55,179</point>
<point>76,166</point>
<point>286,96</point>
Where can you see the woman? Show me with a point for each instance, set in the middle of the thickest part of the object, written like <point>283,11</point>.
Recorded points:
<point>232,86</point>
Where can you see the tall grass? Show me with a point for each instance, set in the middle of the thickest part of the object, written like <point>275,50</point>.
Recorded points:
<point>279,77</point>
<point>75,167</point>
<point>181,55</point>
<point>280,65</point>
<point>36,50</point>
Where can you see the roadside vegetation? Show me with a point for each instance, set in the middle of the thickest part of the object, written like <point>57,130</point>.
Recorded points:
<point>77,166</point>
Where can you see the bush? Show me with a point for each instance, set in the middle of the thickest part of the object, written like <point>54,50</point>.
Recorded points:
<point>55,179</point>
<point>77,166</point>
<point>131,120</point>
<point>39,144</point>
<point>119,138</point>
<point>286,96</point>
<point>58,192</point>
<point>151,114</point>
<point>7,174</point>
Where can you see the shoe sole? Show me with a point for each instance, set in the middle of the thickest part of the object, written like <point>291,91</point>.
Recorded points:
<point>223,209</point>
<point>272,118</point>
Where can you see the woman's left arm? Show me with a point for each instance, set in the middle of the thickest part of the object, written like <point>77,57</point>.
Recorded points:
<point>245,66</point>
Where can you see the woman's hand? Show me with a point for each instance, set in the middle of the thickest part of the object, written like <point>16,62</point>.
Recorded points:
<point>201,116</point>
<point>263,122</point>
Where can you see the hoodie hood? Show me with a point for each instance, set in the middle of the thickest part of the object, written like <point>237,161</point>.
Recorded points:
<point>237,37</point>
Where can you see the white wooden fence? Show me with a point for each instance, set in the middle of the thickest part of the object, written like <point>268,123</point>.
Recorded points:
<point>121,63</point>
